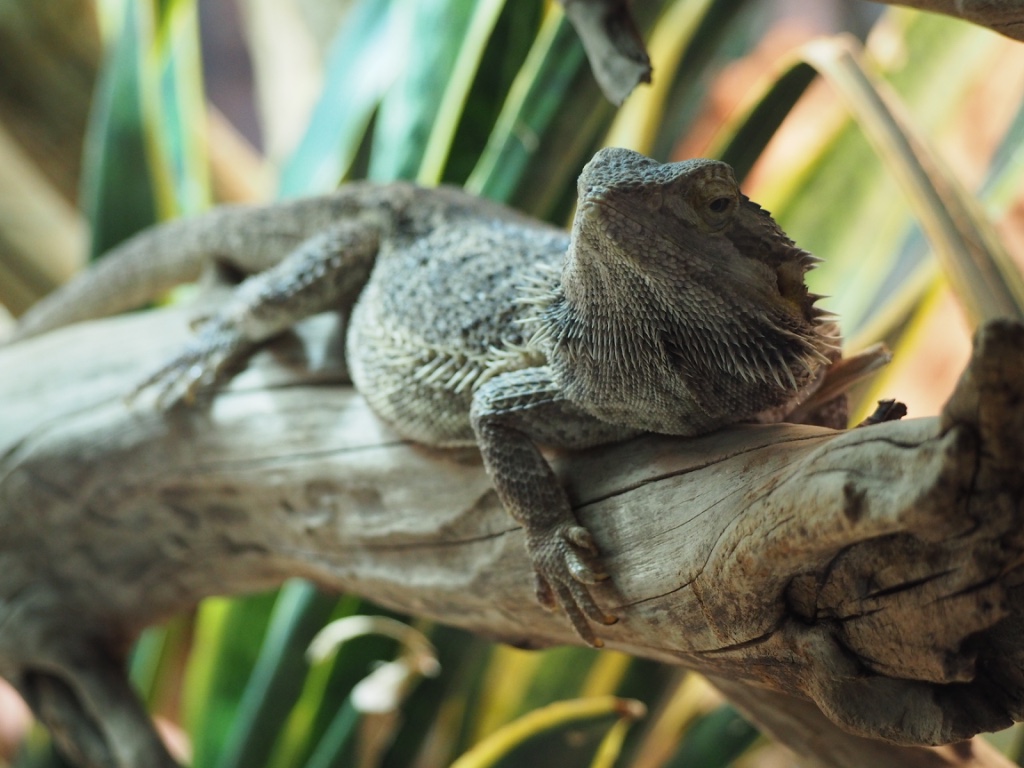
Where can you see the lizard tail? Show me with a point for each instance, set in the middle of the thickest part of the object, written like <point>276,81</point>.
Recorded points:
<point>133,273</point>
<point>246,238</point>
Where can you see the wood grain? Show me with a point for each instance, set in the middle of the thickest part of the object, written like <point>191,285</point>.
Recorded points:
<point>870,577</point>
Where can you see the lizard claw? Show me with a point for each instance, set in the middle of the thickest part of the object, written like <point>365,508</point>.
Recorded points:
<point>566,563</point>
<point>194,369</point>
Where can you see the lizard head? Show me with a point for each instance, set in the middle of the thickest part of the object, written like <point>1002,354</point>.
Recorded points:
<point>700,274</point>
<point>669,220</point>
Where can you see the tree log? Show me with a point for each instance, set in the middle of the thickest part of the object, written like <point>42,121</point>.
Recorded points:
<point>871,576</point>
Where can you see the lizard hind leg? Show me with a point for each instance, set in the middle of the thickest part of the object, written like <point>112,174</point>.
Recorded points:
<point>325,272</point>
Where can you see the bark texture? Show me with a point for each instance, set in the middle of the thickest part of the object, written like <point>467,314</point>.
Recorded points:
<point>834,583</point>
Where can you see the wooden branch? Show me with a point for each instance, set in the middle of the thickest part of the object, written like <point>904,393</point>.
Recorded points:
<point>801,726</point>
<point>619,59</point>
<point>872,575</point>
<point>1003,16</point>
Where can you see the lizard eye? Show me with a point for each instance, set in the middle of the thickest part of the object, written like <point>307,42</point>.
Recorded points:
<point>717,208</point>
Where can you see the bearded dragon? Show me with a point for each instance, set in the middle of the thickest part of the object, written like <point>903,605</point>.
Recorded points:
<point>675,305</point>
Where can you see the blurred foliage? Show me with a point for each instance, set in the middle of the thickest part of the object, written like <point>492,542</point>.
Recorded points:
<point>497,96</point>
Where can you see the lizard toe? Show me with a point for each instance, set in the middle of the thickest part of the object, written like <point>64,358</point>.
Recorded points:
<point>577,613</point>
<point>562,582</point>
<point>584,571</point>
<point>582,598</point>
<point>195,369</point>
<point>545,594</point>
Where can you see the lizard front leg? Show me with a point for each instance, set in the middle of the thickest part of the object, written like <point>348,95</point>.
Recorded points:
<point>325,272</point>
<point>511,414</point>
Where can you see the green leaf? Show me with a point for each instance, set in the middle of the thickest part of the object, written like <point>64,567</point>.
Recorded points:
<point>419,115</point>
<point>325,690</point>
<point>366,57</point>
<point>723,32</point>
<point>534,99</point>
<point>437,715</point>
<point>560,673</point>
<point>154,661</point>
<point>1007,167</point>
<point>542,737</point>
<point>176,119</point>
<point>118,196</point>
<point>535,152</point>
<point>850,200</point>
<point>715,740</point>
<point>962,237</point>
<point>144,157</point>
<point>38,751</point>
<point>508,45</point>
<point>743,139</point>
<point>638,122</point>
<point>277,677</point>
<point>333,747</point>
<point>373,704</point>
<point>227,639</point>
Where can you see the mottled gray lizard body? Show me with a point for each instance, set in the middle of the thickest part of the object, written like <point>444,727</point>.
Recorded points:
<point>676,305</point>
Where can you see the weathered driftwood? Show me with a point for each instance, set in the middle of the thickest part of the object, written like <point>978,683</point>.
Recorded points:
<point>1003,16</point>
<point>872,575</point>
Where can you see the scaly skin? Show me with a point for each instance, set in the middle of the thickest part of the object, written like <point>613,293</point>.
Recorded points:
<point>676,305</point>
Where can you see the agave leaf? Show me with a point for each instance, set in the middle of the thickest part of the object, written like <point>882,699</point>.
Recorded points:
<point>118,193</point>
<point>1002,183</point>
<point>420,113</point>
<point>962,236</point>
<point>276,679</point>
<point>683,705</point>
<point>973,257</point>
<point>175,112</point>
<point>607,674</point>
<point>144,158</point>
<point>374,701</point>
<point>456,95</point>
<point>637,123</point>
<point>715,740</point>
<point>506,683</point>
<point>555,717</point>
<point>225,647</point>
<point>722,32</point>
<point>535,152</point>
<point>610,748</point>
<point>335,745</point>
<point>367,56</point>
<point>324,690</point>
<point>50,62</point>
<point>840,196</point>
<point>744,138</point>
<point>434,718</point>
<point>532,103</point>
<point>837,199</point>
<point>42,237</point>
<point>153,665</point>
